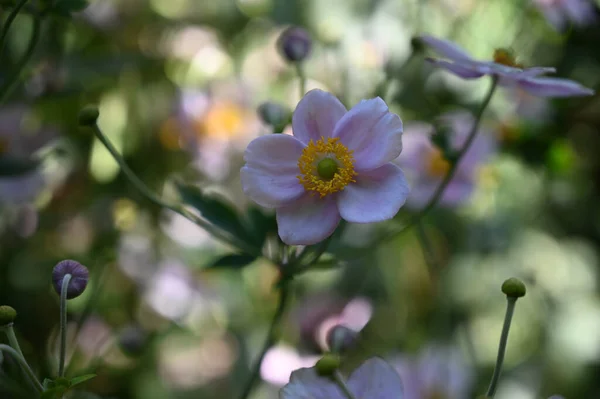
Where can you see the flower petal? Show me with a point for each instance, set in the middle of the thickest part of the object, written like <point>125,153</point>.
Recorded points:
<point>446,48</point>
<point>553,87</point>
<point>372,132</point>
<point>377,195</point>
<point>462,70</point>
<point>536,71</point>
<point>269,176</point>
<point>376,379</point>
<point>316,115</point>
<point>306,384</point>
<point>308,220</point>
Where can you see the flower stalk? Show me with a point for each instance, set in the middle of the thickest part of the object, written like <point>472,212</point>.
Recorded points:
<point>24,365</point>
<point>339,379</point>
<point>63,324</point>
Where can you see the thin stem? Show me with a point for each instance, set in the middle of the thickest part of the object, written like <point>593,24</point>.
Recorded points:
<point>428,252</point>
<point>12,339</point>
<point>15,77</point>
<point>24,365</point>
<point>339,379</point>
<point>63,324</point>
<point>302,77</point>
<point>510,309</point>
<point>11,17</point>
<point>439,192</point>
<point>284,294</point>
<point>139,184</point>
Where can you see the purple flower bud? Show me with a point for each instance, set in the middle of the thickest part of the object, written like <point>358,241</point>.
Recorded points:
<point>295,44</point>
<point>79,277</point>
<point>340,338</point>
<point>132,340</point>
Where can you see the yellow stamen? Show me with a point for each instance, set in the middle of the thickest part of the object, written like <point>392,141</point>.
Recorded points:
<point>438,165</point>
<point>316,152</point>
<point>506,57</point>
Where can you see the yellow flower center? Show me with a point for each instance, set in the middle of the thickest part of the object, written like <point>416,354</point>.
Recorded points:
<point>326,166</point>
<point>438,166</point>
<point>506,57</point>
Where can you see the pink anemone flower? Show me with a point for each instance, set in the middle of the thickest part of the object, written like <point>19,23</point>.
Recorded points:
<point>337,165</point>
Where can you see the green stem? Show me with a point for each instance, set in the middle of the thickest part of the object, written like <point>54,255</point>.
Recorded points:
<point>302,77</point>
<point>24,365</point>
<point>428,251</point>
<point>339,379</point>
<point>439,192</point>
<point>284,294</point>
<point>15,77</point>
<point>139,184</point>
<point>12,339</point>
<point>510,309</point>
<point>63,325</point>
<point>11,17</point>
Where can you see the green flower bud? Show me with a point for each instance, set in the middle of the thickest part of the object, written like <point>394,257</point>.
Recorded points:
<point>274,114</point>
<point>88,115</point>
<point>327,365</point>
<point>7,315</point>
<point>514,288</point>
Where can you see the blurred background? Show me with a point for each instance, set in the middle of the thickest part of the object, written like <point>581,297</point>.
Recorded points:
<point>178,84</point>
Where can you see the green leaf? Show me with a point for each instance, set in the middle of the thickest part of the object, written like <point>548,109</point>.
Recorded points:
<point>232,261</point>
<point>81,379</point>
<point>216,210</point>
<point>11,166</point>
<point>260,225</point>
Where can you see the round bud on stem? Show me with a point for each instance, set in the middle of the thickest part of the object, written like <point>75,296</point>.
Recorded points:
<point>274,114</point>
<point>327,365</point>
<point>341,338</point>
<point>132,340</point>
<point>514,288</point>
<point>88,115</point>
<point>295,44</point>
<point>79,277</point>
<point>7,315</point>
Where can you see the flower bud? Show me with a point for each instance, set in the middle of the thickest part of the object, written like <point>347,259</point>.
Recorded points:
<point>514,288</point>
<point>295,44</point>
<point>341,338</point>
<point>7,315</point>
<point>79,277</point>
<point>327,365</point>
<point>88,115</point>
<point>417,45</point>
<point>274,114</point>
<point>132,340</point>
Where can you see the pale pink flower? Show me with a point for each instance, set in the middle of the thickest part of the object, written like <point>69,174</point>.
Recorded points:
<point>337,165</point>
<point>438,371</point>
<point>426,166</point>
<point>560,12</point>
<point>374,379</point>
<point>504,68</point>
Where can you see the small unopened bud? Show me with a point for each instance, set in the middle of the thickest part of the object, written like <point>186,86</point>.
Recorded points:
<point>79,277</point>
<point>295,44</point>
<point>327,365</point>
<point>416,44</point>
<point>132,340</point>
<point>514,288</point>
<point>274,114</point>
<point>7,315</point>
<point>341,338</point>
<point>88,115</point>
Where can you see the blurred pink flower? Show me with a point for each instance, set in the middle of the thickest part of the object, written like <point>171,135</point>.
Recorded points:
<point>374,379</point>
<point>438,371</point>
<point>560,12</point>
<point>426,166</point>
<point>280,361</point>
<point>20,142</point>
<point>336,165</point>
<point>505,68</point>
